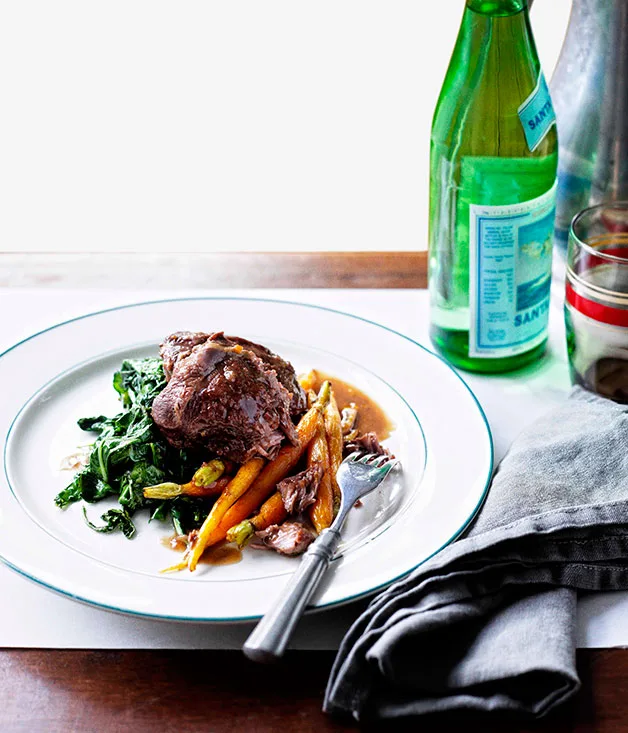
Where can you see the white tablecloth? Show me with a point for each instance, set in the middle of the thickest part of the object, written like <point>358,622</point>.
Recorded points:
<point>31,616</point>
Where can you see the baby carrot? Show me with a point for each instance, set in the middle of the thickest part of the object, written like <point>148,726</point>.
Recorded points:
<point>333,429</point>
<point>272,511</point>
<point>273,473</point>
<point>322,510</point>
<point>240,483</point>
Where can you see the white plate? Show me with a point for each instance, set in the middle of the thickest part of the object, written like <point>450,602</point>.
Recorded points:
<point>441,438</point>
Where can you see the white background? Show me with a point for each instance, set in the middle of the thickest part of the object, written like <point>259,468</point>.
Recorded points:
<point>224,125</point>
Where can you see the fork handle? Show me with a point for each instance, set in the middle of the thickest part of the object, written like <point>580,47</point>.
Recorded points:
<point>269,639</point>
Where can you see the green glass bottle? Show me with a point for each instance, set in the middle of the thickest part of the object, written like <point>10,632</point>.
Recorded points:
<point>492,191</point>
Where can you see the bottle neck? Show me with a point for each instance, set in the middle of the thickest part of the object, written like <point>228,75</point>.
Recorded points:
<point>497,8</point>
<point>495,54</point>
<point>497,27</point>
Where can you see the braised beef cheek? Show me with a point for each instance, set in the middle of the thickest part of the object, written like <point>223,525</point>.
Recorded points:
<point>222,398</point>
<point>181,343</point>
<point>178,345</point>
<point>283,369</point>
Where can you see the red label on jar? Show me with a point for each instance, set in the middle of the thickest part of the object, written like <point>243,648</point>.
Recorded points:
<point>597,311</point>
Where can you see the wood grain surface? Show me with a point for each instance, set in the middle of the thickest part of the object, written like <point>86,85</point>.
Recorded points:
<point>214,270</point>
<point>58,691</point>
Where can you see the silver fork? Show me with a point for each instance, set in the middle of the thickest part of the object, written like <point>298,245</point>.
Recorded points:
<point>357,476</point>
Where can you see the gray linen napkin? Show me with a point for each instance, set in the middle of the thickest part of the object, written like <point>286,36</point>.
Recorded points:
<point>488,624</point>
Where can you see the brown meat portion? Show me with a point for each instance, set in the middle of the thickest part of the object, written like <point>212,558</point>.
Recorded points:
<point>367,443</point>
<point>298,492</point>
<point>180,344</point>
<point>289,538</point>
<point>284,370</point>
<point>223,400</point>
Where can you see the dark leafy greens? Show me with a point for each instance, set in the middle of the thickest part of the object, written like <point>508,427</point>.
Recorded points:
<point>129,454</point>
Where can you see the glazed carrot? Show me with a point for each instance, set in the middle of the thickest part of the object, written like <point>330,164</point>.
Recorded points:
<point>273,473</point>
<point>333,429</point>
<point>308,381</point>
<point>170,490</point>
<point>176,568</point>
<point>287,458</point>
<point>207,481</point>
<point>272,511</point>
<point>240,483</point>
<point>322,510</point>
<point>248,501</point>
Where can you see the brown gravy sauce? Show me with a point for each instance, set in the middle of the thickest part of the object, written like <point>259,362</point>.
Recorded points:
<point>371,417</point>
<point>223,553</point>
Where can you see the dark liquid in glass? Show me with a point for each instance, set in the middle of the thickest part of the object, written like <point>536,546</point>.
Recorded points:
<point>607,377</point>
<point>598,352</point>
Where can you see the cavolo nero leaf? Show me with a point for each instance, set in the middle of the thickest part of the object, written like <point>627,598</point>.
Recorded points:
<point>134,481</point>
<point>187,513</point>
<point>139,381</point>
<point>87,486</point>
<point>94,489</point>
<point>93,424</point>
<point>161,512</point>
<point>71,493</point>
<point>129,453</point>
<point>113,519</point>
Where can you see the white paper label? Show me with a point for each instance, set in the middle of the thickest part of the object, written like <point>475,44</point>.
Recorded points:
<point>510,263</point>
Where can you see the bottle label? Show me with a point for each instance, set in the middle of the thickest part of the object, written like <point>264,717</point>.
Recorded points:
<point>537,114</point>
<point>510,263</point>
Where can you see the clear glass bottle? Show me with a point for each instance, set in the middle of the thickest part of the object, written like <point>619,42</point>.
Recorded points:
<point>590,91</point>
<point>492,194</point>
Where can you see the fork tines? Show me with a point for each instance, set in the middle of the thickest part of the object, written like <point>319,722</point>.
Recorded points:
<point>370,459</point>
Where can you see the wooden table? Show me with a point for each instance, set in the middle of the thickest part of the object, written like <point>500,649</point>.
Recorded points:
<point>58,691</point>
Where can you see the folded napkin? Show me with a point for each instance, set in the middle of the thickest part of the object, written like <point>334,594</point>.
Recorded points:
<point>488,624</point>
